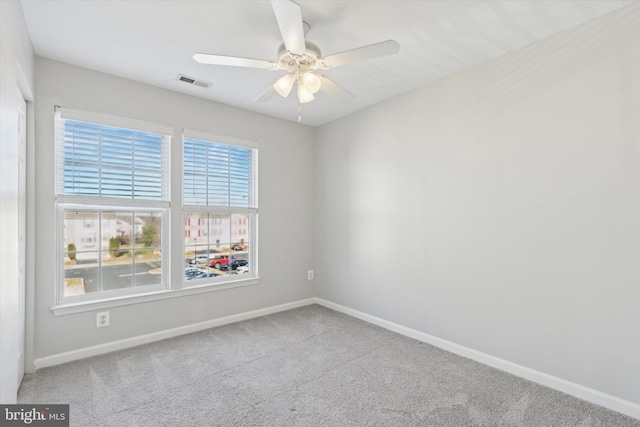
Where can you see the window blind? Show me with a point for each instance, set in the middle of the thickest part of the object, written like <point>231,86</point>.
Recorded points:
<point>217,174</point>
<point>100,160</point>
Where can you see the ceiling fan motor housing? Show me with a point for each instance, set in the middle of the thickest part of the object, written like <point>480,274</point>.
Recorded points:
<point>307,60</point>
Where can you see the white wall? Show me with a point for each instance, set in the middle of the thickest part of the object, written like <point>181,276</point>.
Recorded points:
<point>16,70</point>
<point>499,208</point>
<point>285,218</point>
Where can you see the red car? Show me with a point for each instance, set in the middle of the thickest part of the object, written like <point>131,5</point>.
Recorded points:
<point>219,260</point>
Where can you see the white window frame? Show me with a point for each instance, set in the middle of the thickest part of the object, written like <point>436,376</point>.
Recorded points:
<point>124,292</point>
<point>168,288</point>
<point>252,214</point>
<point>94,203</point>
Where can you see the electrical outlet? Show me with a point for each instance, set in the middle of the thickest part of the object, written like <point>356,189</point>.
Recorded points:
<point>102,319</point>
<point>310,274</point>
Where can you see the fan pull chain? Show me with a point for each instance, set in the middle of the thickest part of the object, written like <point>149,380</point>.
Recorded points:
<point>299,86</point>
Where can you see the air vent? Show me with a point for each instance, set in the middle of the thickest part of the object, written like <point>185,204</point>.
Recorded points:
<point>193,81</point>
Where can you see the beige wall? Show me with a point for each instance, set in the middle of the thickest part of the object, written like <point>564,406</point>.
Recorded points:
<point>285,217</point>
<point>499,208</point>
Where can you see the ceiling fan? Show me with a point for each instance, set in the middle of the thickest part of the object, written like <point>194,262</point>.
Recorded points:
<point>301,59</point>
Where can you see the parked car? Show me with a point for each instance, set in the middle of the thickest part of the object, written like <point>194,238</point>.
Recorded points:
<point>235,263</point>
<point>237,247</point>
<point>204,276</point>
<point>190,271</point>
<point>200,259</point>
<point>242,269</point>
<point>219,261</point>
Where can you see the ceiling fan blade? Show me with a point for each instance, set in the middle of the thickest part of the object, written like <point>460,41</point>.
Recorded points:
<point>207,58</point>
<point>375,50</point>
<point>289,17</point>
<point>269,93</point>
<point>332,89</point>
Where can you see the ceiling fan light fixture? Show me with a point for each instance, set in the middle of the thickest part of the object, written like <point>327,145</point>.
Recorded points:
<point>284,85</point>
<point>311,82</point>
<point>304,95</point>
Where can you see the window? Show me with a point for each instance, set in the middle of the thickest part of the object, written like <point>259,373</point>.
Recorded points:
<point>112,197</point>
<point>220,194</point>
<point>113,206</point>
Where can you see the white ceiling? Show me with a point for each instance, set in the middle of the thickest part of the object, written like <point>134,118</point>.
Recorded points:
<point>153,41</point>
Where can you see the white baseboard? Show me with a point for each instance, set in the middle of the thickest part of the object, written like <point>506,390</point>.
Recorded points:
<point>585,393</point>
<point>20,365</point>
<point>96,350</point>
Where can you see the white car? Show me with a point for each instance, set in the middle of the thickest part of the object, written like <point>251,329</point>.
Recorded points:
<point>200,259</point>
<point>242,269</point>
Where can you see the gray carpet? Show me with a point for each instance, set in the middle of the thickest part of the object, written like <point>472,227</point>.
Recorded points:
<point>305,367</point>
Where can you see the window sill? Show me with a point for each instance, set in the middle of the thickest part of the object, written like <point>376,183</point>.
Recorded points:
<point>84,306</point>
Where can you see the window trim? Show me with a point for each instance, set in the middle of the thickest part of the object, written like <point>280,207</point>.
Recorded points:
<point>221,139</point>
<point>252,212</point>
<point>227,278</point>
<point>97,203</point>
<point>61,115</point>
<point>168,289</point>
<point>141,298</point>
<point>61,300</point>
<point>112,121</point>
